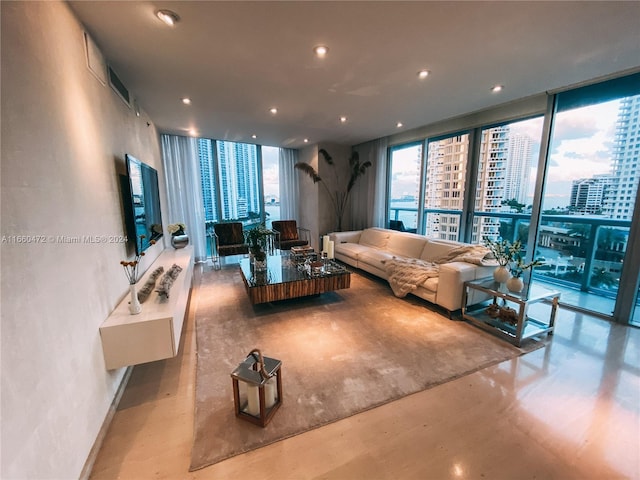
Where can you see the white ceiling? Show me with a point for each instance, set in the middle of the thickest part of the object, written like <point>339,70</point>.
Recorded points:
<point>236,60</point>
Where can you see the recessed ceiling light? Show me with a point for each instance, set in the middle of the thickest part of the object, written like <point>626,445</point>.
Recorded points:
<point>497,88</point>
<point>343,119</point>
<point>186,101</point>
<point>254,136</point>
<point>320,50</point>
<point>306,140</point>
<point>422,74</point>
<point>273,111</point>
<point>193,132</point>
<point>168,17</point>
<point>399,125</point>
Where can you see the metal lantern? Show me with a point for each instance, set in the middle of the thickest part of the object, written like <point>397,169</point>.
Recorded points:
<point>257,388</point>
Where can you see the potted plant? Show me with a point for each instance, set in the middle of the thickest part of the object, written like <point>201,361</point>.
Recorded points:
<point>258,239</point>
<point>503,252</point>
<point>339,197</point>
<point>515,283</point>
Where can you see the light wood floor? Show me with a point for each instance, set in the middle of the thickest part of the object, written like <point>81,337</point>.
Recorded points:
<point>568,411</point>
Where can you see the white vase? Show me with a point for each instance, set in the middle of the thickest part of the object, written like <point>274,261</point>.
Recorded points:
<point>515,284</point>
<point>501,274</point>
<point>134,303</point>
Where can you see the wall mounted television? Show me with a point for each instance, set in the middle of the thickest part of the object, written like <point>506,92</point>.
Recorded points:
<point>143,216</point>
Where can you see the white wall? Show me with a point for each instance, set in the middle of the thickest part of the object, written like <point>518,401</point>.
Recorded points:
<point>64,137</point>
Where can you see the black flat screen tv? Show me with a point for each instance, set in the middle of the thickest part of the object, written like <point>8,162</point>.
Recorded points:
<point>144,218</point>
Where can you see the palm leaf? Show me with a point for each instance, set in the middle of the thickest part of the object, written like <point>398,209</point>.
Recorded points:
<point>309,170</point>
<point>326,156</point>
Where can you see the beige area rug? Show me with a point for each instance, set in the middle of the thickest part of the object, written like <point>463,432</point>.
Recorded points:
<point>342,353</point>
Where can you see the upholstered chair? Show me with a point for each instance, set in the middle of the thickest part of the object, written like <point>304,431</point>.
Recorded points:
<point>229,239</point>
<point>289,234</point>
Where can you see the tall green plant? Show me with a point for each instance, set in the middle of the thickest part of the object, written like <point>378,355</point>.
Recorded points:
<point>340,196</point>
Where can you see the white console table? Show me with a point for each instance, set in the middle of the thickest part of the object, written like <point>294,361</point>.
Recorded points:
<point>153,334</point>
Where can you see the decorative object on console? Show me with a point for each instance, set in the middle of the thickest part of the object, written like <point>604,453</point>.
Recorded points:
<point>340,197</point>
<point>257,388</point>
<point>149,285</point>
<point>167,280</point>
<point>131,271</point>
<point>179,239</point>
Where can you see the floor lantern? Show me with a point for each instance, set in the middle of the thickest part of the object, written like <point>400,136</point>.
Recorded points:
<point>257,388</point>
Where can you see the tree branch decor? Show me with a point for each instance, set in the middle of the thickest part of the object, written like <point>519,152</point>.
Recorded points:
<point>339,197</point>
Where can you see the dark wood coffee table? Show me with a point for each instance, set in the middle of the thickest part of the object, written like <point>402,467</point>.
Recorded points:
<point>284,280</point>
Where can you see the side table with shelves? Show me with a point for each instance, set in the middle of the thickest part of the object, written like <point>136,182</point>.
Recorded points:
<point>490,306</point>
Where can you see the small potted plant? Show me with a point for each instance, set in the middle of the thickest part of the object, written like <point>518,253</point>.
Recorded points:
<point>503,251</point>
<point>258,239</point>
<point>515,283</point>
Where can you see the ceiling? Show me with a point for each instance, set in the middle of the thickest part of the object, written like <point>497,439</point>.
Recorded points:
<point>236,60</point>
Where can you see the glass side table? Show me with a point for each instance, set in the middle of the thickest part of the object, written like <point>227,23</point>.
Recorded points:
<point>490,306</point>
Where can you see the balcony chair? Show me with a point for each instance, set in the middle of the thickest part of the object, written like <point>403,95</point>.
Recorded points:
<point>289,234</point>
<point>399,226</point>
<point>228,239</point>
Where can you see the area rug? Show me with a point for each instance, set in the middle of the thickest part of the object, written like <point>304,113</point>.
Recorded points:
<point>342,353</point>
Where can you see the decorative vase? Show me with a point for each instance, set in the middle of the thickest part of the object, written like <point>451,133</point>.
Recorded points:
<point>179,241</point>
<point>134,304</point>
<point>501,274</point>
<point>515,284</point>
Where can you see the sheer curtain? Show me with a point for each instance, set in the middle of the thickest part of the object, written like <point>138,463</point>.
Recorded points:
<point>368,197</point>
<point>289,184</point>
<point>184,189</point>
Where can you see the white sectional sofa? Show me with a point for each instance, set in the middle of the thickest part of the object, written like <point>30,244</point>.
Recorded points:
<point>373,249</point>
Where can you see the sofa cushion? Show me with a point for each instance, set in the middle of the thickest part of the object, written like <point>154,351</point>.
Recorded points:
<point>374,257</point>
<point>351,250</point>
<point>406,244</point>
<point>433,250</point>
<point>374,237</point>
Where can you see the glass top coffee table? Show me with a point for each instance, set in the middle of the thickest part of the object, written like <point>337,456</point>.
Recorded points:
<point>285,278</point>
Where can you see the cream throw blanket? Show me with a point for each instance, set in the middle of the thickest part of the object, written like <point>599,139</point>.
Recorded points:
<point>405,274</point>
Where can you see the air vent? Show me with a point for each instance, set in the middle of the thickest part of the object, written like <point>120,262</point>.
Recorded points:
<point>119,87</point>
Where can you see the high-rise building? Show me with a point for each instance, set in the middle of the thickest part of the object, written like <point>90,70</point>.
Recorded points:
<point>207,179</point>
<point>230,177</point>
<point>588,194</point>
<point>619,201</point>
<point>518,168</point>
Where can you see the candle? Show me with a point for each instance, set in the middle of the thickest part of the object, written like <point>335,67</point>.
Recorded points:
<point>270,395</point>
<point>330,251</point>
<point>253,397</point>
<point>325,243</point>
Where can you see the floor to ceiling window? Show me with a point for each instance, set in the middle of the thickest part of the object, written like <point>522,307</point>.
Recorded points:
<point>271,180</point>
<point>505,180</point>
<point>240,182</point>
<point>590,191</point>
<point>404,186</point>
<point>445,186</point>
